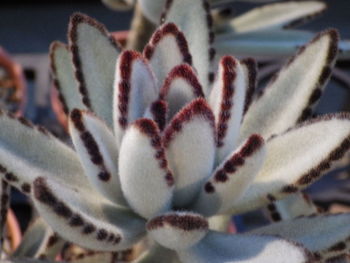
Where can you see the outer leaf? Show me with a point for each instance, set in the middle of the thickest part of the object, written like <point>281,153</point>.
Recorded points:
<point>167,38</point>
<point>277,15</point>
<point>180,87</point>
<point>297,158</point>
<point>34,240</point>
<point>218,247</point>
<point>231,178</point>
<point>178,230</point>
<point>189,142</point>
<point>293,206</point>
<point>63,77</point>
<point>316,233</point>
<point>84,217</point>
<point>4,205</point>
<point>291,95</point>
<point>135,90</point>
<point>146,180</point>
<point>37,152</point>
<point>98,153</point>
<point>227,102</point>
<point>94,56</point>
<point>262,44</point>
<point>194,19</point>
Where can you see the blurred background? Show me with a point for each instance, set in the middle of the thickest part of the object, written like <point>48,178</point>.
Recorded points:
<point>28,27</point>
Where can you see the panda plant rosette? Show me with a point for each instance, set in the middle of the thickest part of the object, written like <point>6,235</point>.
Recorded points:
<point>162,146</point>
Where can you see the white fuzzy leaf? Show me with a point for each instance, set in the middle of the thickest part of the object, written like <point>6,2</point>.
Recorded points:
<point>289,98</point>
<point>277,15</point>
<point>231,178</point>
<point>135,89</point>
<point>180,87</point>
<point>227,102</point>
<point>297,158</point>
<point>37,152</point>
<point>194,19</point>
<point>84,217</point>
<point>293,206</point>
<point>264,44</point>
<point>94,56</point>
<point>167,49</point>
<point>98,153</point>
<point>219,247</point>
<point>189,142</point>
<point>63,77</point>
<point>34,240</point>
<point>152,9</point>
<point>316,233</point>
<point>178,230</point>
<point>146,180</point>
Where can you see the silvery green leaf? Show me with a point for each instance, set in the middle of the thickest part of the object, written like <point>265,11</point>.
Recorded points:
<point>98,152</point>
<point>167,49</point>
<point>38,152</point>
<point>293,92</point>
<point>218,247</point>
<point>296,159</point>
<point>63,77</point>
<point>4,205</point>
<point>152,9</point>
<point>135,88</point>
<point>84,217</point>
<point>158,253</point>
<point>261,44</point>
<point>324,234</point>
<point>194,20</point>
<point>231,178</point>
<point>189,142</point>
<point>146,180</point>
<point>226,100</point>
<point>180,87</point>
<point>34,241</point>
<point>292,206</point>
<point>94,57</point>
<point>277,15</point>
<point>119,4</point>
<point>177,230</point>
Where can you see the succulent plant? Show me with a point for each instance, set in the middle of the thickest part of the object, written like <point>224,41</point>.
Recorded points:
<point>162,147</point>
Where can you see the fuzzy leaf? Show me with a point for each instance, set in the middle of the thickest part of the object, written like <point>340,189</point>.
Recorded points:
<point>180,87</point>
<point>38,152</point>
<point>34,240</point>
<point>98,153</point>
<point>189,142</point>
<point>316,233</point>
<point>178,230</point>
<point>219,223</point>
<point>135,89</point>
<point>167,38</point>
<point>277,15</point>
<point>4,205</point>
<point>219,247</point>
<point>94,56</point>
<point>146,180</point>
<point>231,178</point>
<point>291,95</point>
<point>227,102</point>
<point>63,77</point>
<point>152,9</point>
<point>84,217</point>
<point>119,4</point>
<point>262,44</point>
<point>297,158</point>
<point>293,206</point>
<point>194,19</point>
<point>158,253</point>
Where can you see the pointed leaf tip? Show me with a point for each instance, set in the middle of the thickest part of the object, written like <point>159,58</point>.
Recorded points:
<point>178,230</point>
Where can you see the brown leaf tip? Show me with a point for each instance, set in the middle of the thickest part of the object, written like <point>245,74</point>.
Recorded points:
<point>185,222</point>
<point>197,107</point>
<point>185,72</point>
<point>148,127</point>
<point>77,118</point>
<point>163,31</point>
<point>252,69</point>
<point>159,110</point>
